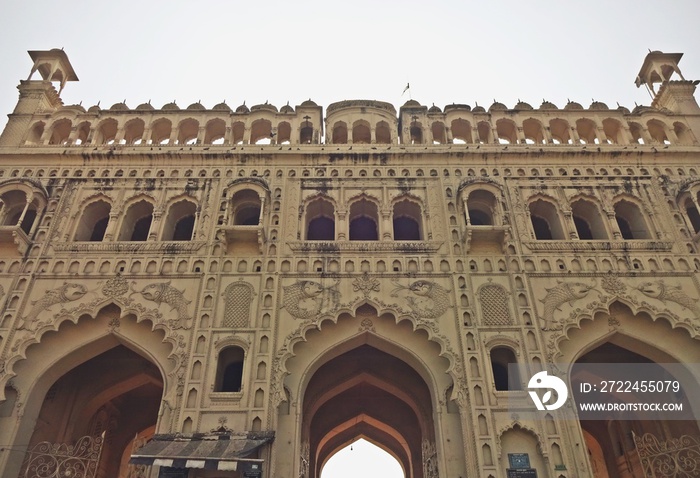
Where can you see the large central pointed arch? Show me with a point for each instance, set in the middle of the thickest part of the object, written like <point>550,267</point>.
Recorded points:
<point>365,375</point>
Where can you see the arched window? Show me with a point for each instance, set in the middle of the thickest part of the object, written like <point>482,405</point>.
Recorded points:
<point>613,131</point>
<point>284,133</point>
<point>35,133</point>
<point>383,133</point>
<point>637,133</point>
<point>106,132</point>
<point>340,133</point>
<point>187,131</point>
<point>533,131</point>
<point>692,212</point>
<point>320,221</point>
<point>60,131</point>
<point>507,132</point>
<point>93,222</point>
<point>586,131</point>
<point>361,133</point>
<point>16,211</point>
<point>364,221</point>
<point>229,370</point>
<point>261,132</point>
<point>133,131</point>
<point>560,131</point>
<point>588,220</point>
<point>657,131</point>
<point>407,221</point>
<point>137,222</point>
<point>179,223</point>
<point>461,131</point>
<point>630,220</point>
<point>306,133</point>
<point>481,206</point>
<point>483,129</point>
<point>416,132</point>
<point>246,208</point>
<point>545,220</point>
<point>505,377</point>
<point>439,135</point>
<point>683,133</point>
<point>160,131</point>
<point>237,132</point>
<point>215,132</point>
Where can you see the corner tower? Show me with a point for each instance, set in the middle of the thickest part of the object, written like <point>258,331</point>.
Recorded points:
<point>38,95</point>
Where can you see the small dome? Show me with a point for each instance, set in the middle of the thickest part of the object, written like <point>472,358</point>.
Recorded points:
<point>242,109</point>
<point>572,105</point>
<point>94,109</point>
<point>264,107</point>
<point>287,109</point>
<point>170,106</point>
<point>411,104</point>
<point>434,109</point>
<point>308,102</point>
<point>119,107</point>
<point>222,107</point>
<point>455,106</point>
<point>145,107</point>
<point>597,105</point>
<point>196,106</point>
<point>497,107</point>
<point>546,105</point>
<point>623,110</point>
<point>521,105</point>
<point>75,108</point>
<point>640,109</point>
<point>478,109</point>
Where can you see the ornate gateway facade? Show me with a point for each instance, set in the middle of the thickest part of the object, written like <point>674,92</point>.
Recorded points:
<point>248,291</point>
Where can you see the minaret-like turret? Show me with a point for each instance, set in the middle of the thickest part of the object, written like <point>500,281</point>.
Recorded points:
<point>38,95</point>
<point>674,95</point>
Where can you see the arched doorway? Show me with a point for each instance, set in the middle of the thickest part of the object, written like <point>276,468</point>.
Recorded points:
<point>366,392</point>
<point>87,402</point>
<point>85,379</point>
<point>368,376</point>
<point>634,339</point>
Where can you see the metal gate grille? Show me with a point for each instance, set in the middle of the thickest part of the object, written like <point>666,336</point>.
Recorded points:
<point>60,460</point>
<point>673,458</point>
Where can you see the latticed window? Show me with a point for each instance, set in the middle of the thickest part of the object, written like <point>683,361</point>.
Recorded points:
<point>238,298</point>
<point>494,305</point>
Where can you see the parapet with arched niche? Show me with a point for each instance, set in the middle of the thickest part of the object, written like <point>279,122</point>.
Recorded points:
<point>361,122</point>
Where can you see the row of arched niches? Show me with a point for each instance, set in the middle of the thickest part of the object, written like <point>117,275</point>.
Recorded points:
<point>357,122</point>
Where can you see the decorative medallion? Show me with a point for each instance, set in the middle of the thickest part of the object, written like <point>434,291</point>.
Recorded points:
<point>365,284</point>
<point>115,287</point>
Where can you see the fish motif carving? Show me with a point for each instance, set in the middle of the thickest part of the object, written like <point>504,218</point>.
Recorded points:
<point>563,293</point>
<point>163,292</point>
<point>659,290</point>
<point>305,299</point>
<point>426,299</point>
<point>68,292</point>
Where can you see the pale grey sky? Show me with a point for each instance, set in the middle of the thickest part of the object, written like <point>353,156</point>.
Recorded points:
<point>450,51</point>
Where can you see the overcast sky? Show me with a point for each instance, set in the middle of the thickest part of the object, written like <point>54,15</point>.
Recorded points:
<point>279,51</point>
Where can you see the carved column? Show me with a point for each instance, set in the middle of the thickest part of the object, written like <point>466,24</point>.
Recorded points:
<point>387,228</point>
<point>201,135</point>
<point>342,229</point>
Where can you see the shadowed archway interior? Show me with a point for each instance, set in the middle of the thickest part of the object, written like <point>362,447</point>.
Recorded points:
<point>368,393</point>
<point>89,401</point>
